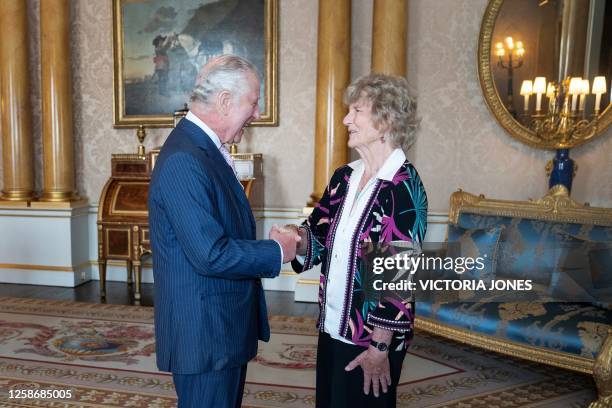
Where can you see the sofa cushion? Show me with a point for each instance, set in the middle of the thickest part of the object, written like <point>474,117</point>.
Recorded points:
<point>476,243</point>
<point>597,233</point>
<point>575,328</point>
<point>528,247</point>
<point>571,275</point>
<point>588,263</point>
<point>600,259</point>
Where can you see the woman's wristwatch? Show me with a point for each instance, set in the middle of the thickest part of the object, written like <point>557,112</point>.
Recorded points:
<point>380,345</point>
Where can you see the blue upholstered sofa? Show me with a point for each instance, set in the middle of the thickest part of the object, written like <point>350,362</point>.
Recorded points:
<point>571,335</point>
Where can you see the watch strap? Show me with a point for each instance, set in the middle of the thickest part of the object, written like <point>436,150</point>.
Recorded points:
<point>381,346</point>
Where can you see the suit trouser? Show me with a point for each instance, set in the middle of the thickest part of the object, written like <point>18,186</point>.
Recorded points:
<point>214,389</point>
<point>337,388</point>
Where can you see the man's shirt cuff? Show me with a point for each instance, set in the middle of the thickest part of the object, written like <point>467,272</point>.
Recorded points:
<point>281,251</point>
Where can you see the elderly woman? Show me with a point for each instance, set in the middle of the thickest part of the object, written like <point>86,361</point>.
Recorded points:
<point>376,199</point>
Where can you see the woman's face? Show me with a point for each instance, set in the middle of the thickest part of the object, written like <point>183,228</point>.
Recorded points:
<point>360,125</point>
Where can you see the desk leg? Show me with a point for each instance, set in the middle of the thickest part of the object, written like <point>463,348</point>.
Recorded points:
<point>102,273</point>
<point>128,265</point>
<point>137,275</point>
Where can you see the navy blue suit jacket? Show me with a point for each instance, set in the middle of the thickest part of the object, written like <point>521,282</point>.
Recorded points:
<point>210,308</point>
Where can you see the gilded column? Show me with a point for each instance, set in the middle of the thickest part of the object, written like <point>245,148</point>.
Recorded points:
<point>389,37</point>
<point>58,149</point>
<point>333,74</point>
<point>16,117</point>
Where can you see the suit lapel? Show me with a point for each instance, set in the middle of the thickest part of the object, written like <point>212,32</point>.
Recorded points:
<point>203,141</point>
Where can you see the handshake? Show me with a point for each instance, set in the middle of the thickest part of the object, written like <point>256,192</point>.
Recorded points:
<point>291,238</point>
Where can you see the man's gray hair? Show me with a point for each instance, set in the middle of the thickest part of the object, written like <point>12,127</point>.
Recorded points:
<point>223,73</point>
<point>394,106</point>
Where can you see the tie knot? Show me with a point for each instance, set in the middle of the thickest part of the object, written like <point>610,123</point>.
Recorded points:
<point>228,157</point>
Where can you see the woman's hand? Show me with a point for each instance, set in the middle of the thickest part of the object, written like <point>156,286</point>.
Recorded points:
<point>376,372</point>
<point>375,364</point>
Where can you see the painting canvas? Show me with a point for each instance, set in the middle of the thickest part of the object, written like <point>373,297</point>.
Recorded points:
<point>160,45</point>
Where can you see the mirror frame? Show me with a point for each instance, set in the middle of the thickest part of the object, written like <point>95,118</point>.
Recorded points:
<point>493,99</point>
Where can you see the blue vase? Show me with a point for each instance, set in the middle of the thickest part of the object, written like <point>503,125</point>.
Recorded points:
<point>562,170</point>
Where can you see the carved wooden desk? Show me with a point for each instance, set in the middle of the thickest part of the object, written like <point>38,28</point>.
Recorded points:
<point>123,216</point>
<point>123,224</point>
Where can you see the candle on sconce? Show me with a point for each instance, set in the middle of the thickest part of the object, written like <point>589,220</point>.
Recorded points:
<point>520,50</point>
<point>526,91</point>
<point>539,87</point>
<point>575,87</point>
<point>584,91</point>
<point>551,94</point>
<point>499,49</point>
<point>550,90</point>
<point>599,87</point>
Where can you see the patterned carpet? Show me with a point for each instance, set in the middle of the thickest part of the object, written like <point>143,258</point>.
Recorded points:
<point>104,356</point>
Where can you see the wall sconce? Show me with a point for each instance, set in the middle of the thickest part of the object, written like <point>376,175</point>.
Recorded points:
<point>507,49</point>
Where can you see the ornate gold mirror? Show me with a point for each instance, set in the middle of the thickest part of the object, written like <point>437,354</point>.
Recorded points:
<point>545,68</point>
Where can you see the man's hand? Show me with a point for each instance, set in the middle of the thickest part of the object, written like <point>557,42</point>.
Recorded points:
<point>375,364</point>
<point>301,245</point>
<point>288,240</point>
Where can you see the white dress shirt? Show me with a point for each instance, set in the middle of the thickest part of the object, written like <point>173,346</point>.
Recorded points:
<point>198,122</point>
<point>353,207</point>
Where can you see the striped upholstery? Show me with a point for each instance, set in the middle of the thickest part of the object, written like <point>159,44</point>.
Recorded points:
<point>209,304</point>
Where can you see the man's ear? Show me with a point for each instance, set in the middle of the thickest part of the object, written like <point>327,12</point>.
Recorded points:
<point>224,102</point>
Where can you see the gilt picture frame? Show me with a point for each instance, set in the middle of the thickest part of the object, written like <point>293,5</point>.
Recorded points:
<point>160,45</point>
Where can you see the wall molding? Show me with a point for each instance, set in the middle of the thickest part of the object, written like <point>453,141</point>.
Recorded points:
<point>43,267</point>
<point>67,255</point>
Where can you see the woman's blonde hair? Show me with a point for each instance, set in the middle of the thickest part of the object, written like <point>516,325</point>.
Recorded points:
<point>393,106</point>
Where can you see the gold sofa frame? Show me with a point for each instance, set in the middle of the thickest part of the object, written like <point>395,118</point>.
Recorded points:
<point>556,206</point>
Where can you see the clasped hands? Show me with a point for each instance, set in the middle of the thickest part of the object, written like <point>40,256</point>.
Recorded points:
<point>291,238</point>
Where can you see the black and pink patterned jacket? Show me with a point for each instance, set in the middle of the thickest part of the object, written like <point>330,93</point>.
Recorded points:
<point>396,211</point>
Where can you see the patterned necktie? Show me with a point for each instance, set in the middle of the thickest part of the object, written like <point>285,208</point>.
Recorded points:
<point>228,158</point>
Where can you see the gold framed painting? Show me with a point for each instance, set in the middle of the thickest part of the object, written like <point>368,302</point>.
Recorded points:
<point>160,45</point>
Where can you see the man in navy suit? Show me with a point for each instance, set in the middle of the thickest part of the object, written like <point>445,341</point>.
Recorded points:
<point>210,308</point>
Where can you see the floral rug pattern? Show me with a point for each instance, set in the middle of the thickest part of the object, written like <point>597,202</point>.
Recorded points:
<point>105,356</point>
<point>81,340</point>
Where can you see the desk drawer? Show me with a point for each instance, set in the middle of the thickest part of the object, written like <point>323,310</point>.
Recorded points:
<point>118,242</point>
